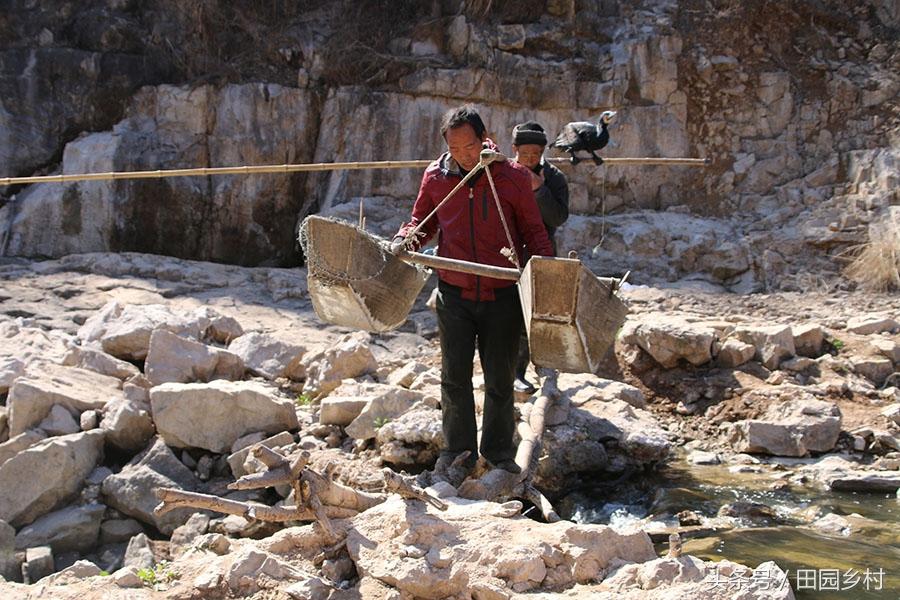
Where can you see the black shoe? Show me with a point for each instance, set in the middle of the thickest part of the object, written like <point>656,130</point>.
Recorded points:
<point>523,386</point>
<point>508,465</point>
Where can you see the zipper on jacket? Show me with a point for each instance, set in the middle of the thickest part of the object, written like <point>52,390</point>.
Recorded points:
<point>472,237</point>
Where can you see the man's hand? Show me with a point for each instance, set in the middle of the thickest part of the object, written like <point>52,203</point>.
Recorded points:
<point>396,246</point>
<point>537,180</point>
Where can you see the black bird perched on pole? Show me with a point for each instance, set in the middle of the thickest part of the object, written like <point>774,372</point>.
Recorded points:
<point>585,136</point>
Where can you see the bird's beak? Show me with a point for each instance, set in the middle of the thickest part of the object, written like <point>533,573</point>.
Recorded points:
<point>609,116</point>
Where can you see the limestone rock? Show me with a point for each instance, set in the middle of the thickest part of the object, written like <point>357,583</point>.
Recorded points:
<point>405,375</point>
<point>431,554</point>
<point>773,343</point>
<point>221,329</point>
<point>868,324</point>
<point>669,339</point>
<point>131,490</point>
<point>583,387</point>
<point>808,339</point>
<point>214,415</point>
<point>59,422</point>
<point>128,424</point>
<point>247,565</point>
<point>20,442</point>
<point>114,531</point>
<point>340,410</point>
<point>72,528</point>
<point>31,398</point>
<point>350,357</point>
<point>42,477</point>
<point>172,358</point>
<point>124,332</point>
<point>38,564</point>
<point>734,353</point>
<point>138,553</point>
<point>888,348</point>
<point>792,427</point>
<point>413,438</point>
<point>874,368</point>
<point>269,356</point>
<point>23,346</point>
<point>99,362</point>
<point>384,403</point>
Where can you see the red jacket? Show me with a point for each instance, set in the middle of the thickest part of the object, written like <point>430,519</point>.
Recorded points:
<point>469,226</point>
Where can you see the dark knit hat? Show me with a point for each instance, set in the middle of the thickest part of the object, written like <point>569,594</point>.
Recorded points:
<point>529,133</point>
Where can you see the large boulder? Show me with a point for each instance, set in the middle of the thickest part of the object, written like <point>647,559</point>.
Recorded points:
<point>669,339</point>
<point>267,355</point>
<point>791,427</point>
<point>131,491</point>
<point>31,398</point>
<point>20,442</point>
<point>42,477</point>
<point>72,528</point>
<point>172,358</point>
<point>214,415</point>
<point>350,357</point>
<point>474,546</point>
<point>21,346</point>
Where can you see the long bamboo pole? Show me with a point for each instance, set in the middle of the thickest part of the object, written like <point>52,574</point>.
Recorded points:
<point>307,167</point>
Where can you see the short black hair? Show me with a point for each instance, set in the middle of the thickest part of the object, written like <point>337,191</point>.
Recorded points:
<point>462,115</point>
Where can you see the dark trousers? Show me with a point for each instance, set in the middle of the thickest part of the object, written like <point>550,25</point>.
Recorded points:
<point>495,327</point>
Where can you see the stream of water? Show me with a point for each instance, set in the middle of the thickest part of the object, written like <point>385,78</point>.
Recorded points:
<point>864,564</point>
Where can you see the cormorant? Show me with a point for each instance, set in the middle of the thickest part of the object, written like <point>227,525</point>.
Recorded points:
<point>585,136</point>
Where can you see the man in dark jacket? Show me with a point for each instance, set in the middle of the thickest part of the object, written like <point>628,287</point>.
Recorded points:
<point>473,309</point>
<point>551,190</point>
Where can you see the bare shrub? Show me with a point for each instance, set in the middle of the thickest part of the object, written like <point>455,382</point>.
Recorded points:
<point>876,264</point>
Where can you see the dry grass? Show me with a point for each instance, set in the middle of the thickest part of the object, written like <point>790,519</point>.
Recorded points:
<point>876,264</point>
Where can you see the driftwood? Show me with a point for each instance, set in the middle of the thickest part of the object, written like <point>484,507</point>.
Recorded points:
<point>498,484</point>
<point>316,497</point>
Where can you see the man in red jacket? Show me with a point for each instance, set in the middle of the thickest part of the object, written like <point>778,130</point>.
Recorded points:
<point>472,309</point>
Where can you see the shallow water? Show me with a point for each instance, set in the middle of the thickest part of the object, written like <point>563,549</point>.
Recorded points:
<point>819,566</point>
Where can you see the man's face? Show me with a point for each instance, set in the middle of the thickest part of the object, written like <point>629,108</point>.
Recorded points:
<point>464,145</point>
<point>529,155</point>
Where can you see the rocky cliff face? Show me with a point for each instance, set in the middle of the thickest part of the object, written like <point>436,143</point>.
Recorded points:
<point>796,106</point>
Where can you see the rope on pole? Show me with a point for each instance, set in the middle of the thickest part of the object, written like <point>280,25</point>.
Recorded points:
<point>307,167</point>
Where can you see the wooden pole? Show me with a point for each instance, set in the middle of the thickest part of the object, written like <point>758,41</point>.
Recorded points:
<point>308,167</point>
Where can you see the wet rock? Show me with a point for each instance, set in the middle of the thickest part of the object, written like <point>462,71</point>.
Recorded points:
<point>99,362</point>
<point>789,428</point>
<point>40,478</point>
<point>869,324</point>
<point>269,356</point>
<point>748,510</point>
<point>413,438</point>
<point>669,339</point>
<point>131,491</point>
<point>384,404</point>
<point>700,457</point>
<point>72,528</point>
<point>203,415</point>
<point>172,358</point>
<point>350,357</point>
<point>32,397</point>
<point>773,343</point>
